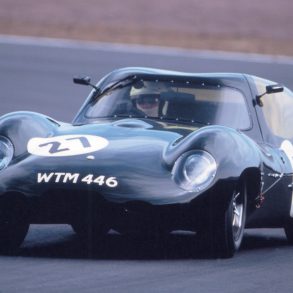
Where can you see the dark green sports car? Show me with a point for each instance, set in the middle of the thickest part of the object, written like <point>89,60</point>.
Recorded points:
<point>154,151</point>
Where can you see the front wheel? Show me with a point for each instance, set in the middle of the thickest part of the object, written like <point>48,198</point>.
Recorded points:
<point>13,225</point>
<point>226,227</point>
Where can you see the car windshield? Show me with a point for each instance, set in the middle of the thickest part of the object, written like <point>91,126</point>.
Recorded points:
<point>173,100</point>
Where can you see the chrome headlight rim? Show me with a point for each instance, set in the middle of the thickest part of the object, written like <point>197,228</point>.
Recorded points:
<point>195,170</point>
<point>6,152</point>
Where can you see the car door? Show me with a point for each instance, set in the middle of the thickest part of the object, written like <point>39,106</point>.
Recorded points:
<point>275,118</point>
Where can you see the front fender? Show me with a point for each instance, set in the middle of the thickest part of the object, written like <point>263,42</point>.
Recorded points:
<point>233,151</point>
<point>19,127</point>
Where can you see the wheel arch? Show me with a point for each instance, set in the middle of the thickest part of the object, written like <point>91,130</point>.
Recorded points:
<point>20,126</point>
<point>252,178</point>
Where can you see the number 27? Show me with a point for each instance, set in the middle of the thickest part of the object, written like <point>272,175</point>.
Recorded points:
<point>56,145</point>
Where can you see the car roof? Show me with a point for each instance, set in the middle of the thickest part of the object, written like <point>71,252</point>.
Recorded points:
<point>160,74</point>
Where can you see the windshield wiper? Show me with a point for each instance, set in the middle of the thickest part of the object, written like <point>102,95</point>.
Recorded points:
<point>172,119</point>
<point>120,84</point>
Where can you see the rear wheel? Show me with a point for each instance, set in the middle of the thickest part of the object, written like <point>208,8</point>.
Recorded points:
<point>226,227</point>
<point>13,225</point>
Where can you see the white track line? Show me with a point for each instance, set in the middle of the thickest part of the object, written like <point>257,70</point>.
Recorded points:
<point>141,49</point>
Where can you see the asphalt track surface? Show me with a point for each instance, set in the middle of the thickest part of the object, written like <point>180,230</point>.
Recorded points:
<point>36,75</point>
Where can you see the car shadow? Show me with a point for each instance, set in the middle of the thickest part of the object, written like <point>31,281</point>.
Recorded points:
<point>264,238</point>
<point>54,242</point>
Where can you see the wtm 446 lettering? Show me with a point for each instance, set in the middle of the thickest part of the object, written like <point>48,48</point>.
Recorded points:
<point>63,177</point>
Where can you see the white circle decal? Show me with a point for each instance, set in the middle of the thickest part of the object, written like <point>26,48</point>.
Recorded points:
<point>66,145</point>
<point>287,148</point>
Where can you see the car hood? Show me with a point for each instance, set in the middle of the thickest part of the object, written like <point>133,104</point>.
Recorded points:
<point>130,152</point>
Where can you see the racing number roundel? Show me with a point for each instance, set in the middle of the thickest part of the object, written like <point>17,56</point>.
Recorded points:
<point>66,145</point>
<point>287,148</point>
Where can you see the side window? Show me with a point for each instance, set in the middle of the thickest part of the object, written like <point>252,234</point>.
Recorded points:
<point>277,109</point>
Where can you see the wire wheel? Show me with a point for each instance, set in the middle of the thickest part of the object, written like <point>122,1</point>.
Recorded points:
<point>237,215</point>
<point>226,225</point>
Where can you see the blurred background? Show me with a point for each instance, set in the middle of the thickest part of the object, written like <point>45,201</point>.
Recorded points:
<point>258,26</point>
<point>36,75</point>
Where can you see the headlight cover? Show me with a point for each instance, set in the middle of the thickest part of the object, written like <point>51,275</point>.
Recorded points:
<point>195,170</point>
<point>6,152</point>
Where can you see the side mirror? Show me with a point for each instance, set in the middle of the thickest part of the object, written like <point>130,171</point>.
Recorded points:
<point>270,89</point>
<point>85,80</point>
<point>275,88</point>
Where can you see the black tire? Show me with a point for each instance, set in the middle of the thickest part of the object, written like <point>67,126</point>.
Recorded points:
<point>13,225</point>
<point>226,227</point>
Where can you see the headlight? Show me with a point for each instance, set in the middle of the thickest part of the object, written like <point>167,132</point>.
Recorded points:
<point>6,152</point>
<point>195,171</point>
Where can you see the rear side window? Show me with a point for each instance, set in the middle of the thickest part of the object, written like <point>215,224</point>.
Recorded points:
<point>277,109</point>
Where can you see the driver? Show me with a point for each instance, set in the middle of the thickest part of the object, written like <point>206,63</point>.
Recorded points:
<point>149,104</point>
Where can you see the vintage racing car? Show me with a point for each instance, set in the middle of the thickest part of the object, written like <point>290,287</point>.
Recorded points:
<point>154,150</point>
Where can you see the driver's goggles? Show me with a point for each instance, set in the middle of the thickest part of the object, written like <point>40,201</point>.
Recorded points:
<point>147,100</point>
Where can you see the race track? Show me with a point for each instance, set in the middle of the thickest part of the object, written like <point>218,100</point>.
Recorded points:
<point>36,75</point>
